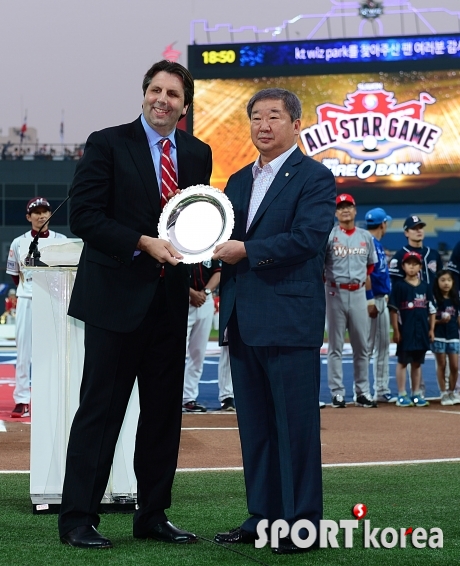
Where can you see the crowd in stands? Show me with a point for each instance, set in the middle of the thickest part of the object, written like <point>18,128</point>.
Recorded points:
<point>12,151</point>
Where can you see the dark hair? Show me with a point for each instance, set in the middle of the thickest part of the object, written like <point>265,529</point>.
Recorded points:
<point>173,69</point>
<point>291,101</point>
<point>453,294</point>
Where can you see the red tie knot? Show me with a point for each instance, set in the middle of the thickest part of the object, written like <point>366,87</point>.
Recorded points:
<point>166,144</point>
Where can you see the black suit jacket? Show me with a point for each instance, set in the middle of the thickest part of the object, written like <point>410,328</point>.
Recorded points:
<point>278,290</point>
<point>115,200</point>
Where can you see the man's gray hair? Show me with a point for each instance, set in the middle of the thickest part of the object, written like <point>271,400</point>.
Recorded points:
<point>291,101</point>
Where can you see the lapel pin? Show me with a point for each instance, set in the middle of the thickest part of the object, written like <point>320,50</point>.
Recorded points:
<point>286,174</point>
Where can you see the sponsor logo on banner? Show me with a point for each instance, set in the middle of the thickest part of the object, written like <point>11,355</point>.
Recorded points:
<point>370,126</point>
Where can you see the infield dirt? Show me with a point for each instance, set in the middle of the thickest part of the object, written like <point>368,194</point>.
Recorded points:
<point>351,435</point>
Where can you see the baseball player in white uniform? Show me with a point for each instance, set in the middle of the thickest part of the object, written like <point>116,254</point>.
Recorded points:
<point>205,277</point>
<point>224,377</point>
<point>350,258</point>
<point>38,211</point>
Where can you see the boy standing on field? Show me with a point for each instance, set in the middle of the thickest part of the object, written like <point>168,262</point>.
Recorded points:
<point>411,305</point>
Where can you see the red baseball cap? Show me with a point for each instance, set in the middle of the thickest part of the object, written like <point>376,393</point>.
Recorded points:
<point>344,197</point>
<point>36,202</point>
<point>412,255</point>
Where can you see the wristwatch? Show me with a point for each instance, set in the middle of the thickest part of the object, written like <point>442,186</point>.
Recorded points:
<point>207,291</point>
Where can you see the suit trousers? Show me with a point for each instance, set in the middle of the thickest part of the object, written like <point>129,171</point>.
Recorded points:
<point>155,353</point>
<point>379,347</point>
<point>276,395</point>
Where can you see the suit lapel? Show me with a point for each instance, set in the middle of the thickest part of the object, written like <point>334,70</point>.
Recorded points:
<point>242,204</point>
<point>139,149</point>
<point>283,177</point>
<point>183,161</point>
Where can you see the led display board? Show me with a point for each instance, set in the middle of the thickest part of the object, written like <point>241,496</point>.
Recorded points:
<point>382,113</point>
<point>302,54</point>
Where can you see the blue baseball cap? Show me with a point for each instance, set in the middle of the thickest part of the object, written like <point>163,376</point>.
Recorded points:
<point>413,221</point>
<point>376,216</point>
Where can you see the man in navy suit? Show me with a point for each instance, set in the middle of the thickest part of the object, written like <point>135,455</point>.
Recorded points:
<point>132,292</point>
<point>272,310</point>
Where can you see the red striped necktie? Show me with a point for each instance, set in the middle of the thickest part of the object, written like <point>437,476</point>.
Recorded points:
<point>168,173</point>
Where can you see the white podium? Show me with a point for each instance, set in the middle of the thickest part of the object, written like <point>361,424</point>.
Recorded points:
<point>57,362</point>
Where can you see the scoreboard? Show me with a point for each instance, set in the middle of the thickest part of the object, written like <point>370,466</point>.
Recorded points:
<point>315,57</point>
<point>383,114</point>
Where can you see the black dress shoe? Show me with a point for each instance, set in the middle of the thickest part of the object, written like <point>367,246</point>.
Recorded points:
<point>286,546</point>
<point>235,536</point>
<point>167,532</point>
<point>86,536</point>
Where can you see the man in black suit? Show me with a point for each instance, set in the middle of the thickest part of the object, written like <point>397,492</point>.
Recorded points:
<point>272,307</point>
<point>132,292</point>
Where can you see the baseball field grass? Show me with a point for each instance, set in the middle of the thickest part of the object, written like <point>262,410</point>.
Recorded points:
<point>400,496</point>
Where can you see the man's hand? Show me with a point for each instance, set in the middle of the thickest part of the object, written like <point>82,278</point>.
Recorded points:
<point>231,252</point>
<point>171,194</point>
<point>372,311</point>
<point>197,298</point>
<point>159,249</point>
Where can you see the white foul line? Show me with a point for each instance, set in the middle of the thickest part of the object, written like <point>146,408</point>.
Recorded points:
<point>210,428</point>
<point>343,465</point>
<point>449,412</point>
<point>229,469</point>
<point>395,463</point>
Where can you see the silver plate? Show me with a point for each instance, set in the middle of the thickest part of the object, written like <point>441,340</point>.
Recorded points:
<point>196,221</point>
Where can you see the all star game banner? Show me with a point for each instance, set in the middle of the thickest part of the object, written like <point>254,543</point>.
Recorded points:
<point>390,123</point>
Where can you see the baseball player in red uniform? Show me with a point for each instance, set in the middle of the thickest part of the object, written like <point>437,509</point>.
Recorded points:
<point>10,306</point>
<point>350,258</point>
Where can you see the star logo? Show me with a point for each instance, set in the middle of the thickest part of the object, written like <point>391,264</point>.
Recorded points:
<point>372,124</point>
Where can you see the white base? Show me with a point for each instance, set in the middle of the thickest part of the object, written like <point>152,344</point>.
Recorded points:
<point>8,331</point>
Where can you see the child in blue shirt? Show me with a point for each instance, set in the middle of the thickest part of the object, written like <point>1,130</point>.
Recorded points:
<point>411,305</point>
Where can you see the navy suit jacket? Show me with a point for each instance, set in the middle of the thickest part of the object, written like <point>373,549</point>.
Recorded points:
<point>115,200</point>
<point>278,290</point>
